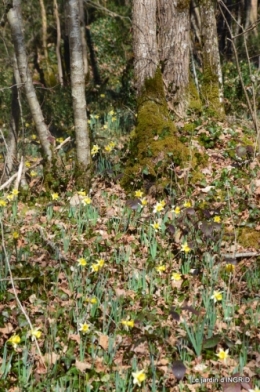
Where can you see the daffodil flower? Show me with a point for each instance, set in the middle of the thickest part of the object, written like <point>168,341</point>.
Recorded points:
<point>139,377</point>
<point>159,207</point>
<point>84,328</point>
<point>230,268</point>
<point>217,219</point>
<point>87,200</point>
<point>55,196</point>
<point>128,323</point>
<point>187,204</point>
<point>14,341</point>
<point>216,296</point>
<point>160,269</point>
<point>185,247</point>
<point>35,333</point>
<point>176,276</point>
<point>223,355</point>
<point>156,226</point>
<point>2,203</point>
<point>139,193</point>
<point>176,210</point>
<point>82,262</point>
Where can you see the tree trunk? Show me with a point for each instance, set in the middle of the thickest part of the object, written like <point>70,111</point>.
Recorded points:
<point>56,13</point>
<point>144,41</point>
<point>212,84</point>
<point>83,37</point>
<point>14,19</point>
<point>174,52</point>
<point>78,94</point>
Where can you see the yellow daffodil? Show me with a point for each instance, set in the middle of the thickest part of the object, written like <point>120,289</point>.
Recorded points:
<point>100,263</point>
<point>185,247</point>
<point>159,207</point>
<point>94,267</point>
<point>217,219</point>
<point>156,226</point>
<point>108,148</point>
<point>92,300</point>
<point>111,113</point>
<point>81,193</point>
<point>14,192</point>
<point>128,323</point>
<point>82,262</point>
<point>2,203</point>
<point>139,193</point>
<point>143,201</point>
<point>55,196</point>
<point>84,328</point>
<point>112,144</point>
<point>14,340</point>
<point>176,276</point>
<point>160,269</point>
<point>256,389</point>
<point>96,117</point>
<point>177,210</point>
<point>35,333</point>
<point>139,377</point>
<point>216,296</point>
<point>187,204</point>
<point>94,150</point>
<point>27,164</point>
<point>60,139</point>
<point>87,200</point>
<point>33,173</point>
<point>15,235</point>
<point>223,355</point>
<point>33,137</point>
<point>230,268</point>
<point>113,119</point>
<point>105,126</point>
<point>10,197</point>
<point>102,95</point>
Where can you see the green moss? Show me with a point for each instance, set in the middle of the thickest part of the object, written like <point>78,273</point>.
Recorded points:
<point>248,237</point>
<point>210,93</point>
<point>194,99</point>
<point>155,146</point>
<point>189,128</point>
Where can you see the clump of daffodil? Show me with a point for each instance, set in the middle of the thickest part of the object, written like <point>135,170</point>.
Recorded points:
<point>223,355</point>
<point>87,200</point>
<point>27,164</point>
<point>55,196</point>
<point>84,328</point>
<point>159,207</point>
<point>156,226</point>
<point>217,219</point>
<point>110,147</point>
<point>33,173</point>
<point>94,150</point>
<point>82,262</point>
<point>139,377</point>
<point>139,193</point>
<point>98,265</point>
<point>160,269</point>
<point>230,268</point>
<point>128,323</point>
<point>35,333</point>
<point>187,204</point>
<point>2,203</point>
<point>176,276</point>
<point>14,341</point>
<point>185,247</point>
<point>216,296</point>
<point>176,210</point>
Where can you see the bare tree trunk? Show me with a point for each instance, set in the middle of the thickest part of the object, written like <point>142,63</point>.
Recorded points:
<point>78,92</point>
<point>174,52</point>
<point>44,39</point>
<point>212,85</point>
<point>56,13</point>
<point>144,41</point>
<point>14,19</point>
<point>83,36</point>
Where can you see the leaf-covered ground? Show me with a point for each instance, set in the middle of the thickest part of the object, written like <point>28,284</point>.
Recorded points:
<point>125,292</point>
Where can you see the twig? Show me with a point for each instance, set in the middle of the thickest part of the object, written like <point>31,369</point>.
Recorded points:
<point>239,255</point>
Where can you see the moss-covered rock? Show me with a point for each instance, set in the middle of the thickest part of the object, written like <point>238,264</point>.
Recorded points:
<point>155,146</point>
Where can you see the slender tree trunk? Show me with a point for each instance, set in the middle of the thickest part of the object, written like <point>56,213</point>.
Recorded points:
<point>144,41</point>
<point>83,36</point>
<point>212,85</point>
<point>14,19</point>
<point>78,93</point>
<point>174,52</point>
<point>56,13</point>
<point>44,39</point>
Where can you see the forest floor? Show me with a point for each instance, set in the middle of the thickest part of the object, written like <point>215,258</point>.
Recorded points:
<point>126,292</point>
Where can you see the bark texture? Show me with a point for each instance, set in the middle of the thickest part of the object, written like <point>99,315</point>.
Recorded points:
<point>14,19</point>
<point>144,41</point>
<point>78,89</point>
<point>174,51</point>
